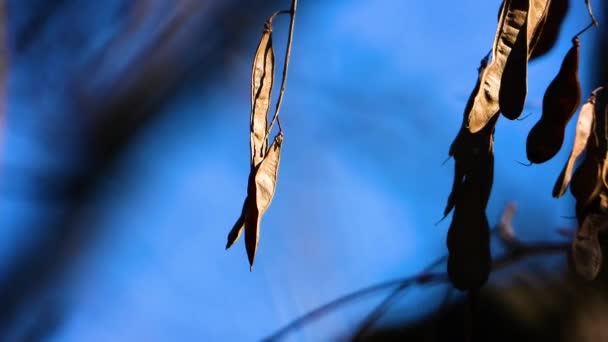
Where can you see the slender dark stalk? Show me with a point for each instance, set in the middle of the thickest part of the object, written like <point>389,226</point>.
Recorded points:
<point>512,256</point>
<point>593,21</point>
<point>381,308</point>
<point>294,5</point>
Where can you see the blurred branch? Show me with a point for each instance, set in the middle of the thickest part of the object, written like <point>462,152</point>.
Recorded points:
<point>516,251</point>
<point>107,105</point>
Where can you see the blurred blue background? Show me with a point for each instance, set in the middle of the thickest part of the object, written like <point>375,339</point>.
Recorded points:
<point>374,96</point>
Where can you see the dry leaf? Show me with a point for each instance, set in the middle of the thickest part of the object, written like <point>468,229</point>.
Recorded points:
<point>262,78</point>
<point>560,101</point>
<point>584,125</point>
<point>260,191</point>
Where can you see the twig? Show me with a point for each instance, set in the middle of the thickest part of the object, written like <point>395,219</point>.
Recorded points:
<point>381,308</point>
<point>294,5</point>
<point>516,250</point>
<point>593,21</point>
<point>326,308</point>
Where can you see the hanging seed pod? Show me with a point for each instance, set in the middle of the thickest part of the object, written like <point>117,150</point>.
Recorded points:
<point>584,125</point>
<point>514,81</point>
<point>485,103</point>
<point>237,229</point>
<point>260,192</point>
<point>560,101</point>
<point>544,40</point>
<point>586,183</point>
<point>262,79</point>
<point>468,240</point>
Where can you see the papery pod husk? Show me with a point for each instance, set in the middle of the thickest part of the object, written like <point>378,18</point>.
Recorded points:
<point>514,81</point>
<point>485,103</point>
<point>262,79</point>
<point>260,191</point>
<point>544,40</point>
<point>237,229</point>
<point>584,127</point>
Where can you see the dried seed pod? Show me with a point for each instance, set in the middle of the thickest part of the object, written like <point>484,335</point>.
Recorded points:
<point>514,81</point>
<point>237,229</point>
<point>584,126</point>
<point>262,79</point>
<point>586,184</point>
<point>586,251</point>
<point>485,103</point>
<point>260,191</point>
<point>473,154</point>
<point>468,240</point>
<point>560,101</point>
<point>545,38</point>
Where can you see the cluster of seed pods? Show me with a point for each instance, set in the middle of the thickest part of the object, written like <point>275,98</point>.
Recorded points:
<point>526,29</point>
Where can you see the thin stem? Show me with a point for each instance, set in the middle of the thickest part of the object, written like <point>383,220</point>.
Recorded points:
<point>277,13</point>
<point>381,308</point>
<point>292,12</point>
<point>582,31</point>
<point>326,308</point>
<point>593,21</point>
<point>514,255</point>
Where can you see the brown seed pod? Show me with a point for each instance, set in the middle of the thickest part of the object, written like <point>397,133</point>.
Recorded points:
<point>260,192</point>
<point>473,154</point>
<point>237,229</point>
<point>586,184</point>
<point>544,39</point>
<point>468,237</point>
<point>485,102</point>
<point>584,125</point>
<point>514,81</point>
<point>468,240</point>
<point>262,79</point>
<point>560,101</point>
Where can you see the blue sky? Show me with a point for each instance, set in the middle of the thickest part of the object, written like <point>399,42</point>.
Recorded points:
<point>374,97</point>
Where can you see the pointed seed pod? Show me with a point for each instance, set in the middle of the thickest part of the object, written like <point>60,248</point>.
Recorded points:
<point>262,79</point>
<point>584,126</point>
<point>260,191</point>
<point>485,103</point>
